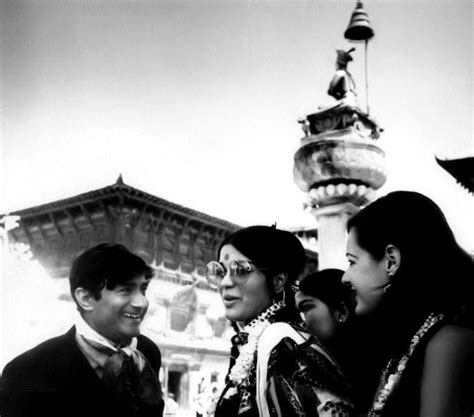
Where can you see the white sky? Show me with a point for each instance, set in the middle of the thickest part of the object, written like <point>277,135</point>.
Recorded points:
<point>197,101</point>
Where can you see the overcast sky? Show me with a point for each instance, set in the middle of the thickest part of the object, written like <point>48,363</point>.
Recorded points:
<point>197,101</point>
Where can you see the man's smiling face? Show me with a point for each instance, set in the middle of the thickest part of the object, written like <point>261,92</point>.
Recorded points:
<point>118,313</point>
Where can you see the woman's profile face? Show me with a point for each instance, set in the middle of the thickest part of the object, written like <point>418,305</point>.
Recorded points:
<point>367,276</point>
<point>245,300</point>
<point>318,317</point>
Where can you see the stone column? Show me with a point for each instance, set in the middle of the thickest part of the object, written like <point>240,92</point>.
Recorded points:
<point>332,234</point>
<point>339,166</point>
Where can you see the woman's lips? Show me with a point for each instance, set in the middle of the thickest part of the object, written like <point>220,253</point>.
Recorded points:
<point>229,300</point>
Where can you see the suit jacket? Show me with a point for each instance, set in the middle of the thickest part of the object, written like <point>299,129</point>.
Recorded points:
<point>55,379</point>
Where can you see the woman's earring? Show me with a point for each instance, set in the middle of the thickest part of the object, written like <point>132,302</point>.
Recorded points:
<point>389,285</point>
<point>283,298</point>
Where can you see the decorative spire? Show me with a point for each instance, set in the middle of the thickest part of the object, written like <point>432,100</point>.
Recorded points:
<point>119,180</point>
<point>359,28</point>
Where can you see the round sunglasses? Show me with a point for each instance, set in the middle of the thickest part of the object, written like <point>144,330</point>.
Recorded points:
<point>239,272</point>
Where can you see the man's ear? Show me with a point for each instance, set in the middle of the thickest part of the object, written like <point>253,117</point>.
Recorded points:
<point>393,259</point>
<point>279,282</point>
<point>84,299</point>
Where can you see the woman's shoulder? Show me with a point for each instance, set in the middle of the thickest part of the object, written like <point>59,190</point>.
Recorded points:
<point>447,381</point>
<point>287,336</point>
<point>451,341</point>
<point>281,330</point>
<point>449,356</point>
<point>298,349</point>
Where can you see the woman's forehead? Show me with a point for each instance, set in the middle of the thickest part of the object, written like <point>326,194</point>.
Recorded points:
<point>230,253</point>
<point>301,296</point>
<point>352,240</point>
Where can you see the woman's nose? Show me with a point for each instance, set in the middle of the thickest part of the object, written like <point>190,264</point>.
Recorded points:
<point>345,279</point>
<point>226,280</point>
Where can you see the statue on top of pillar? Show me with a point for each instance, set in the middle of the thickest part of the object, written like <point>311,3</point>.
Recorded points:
<point>346,112</point>
<point>339,164</point>
<point>342,86</point>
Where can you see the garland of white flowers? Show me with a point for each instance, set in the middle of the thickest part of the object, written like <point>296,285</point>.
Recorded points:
<point>393,380</point>
<point>244,364</point>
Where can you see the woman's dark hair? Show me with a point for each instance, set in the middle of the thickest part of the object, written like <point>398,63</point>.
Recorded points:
<point>105,266</point>
<point>435,273</point>
<point>326,285</point>
<point>275,251</point>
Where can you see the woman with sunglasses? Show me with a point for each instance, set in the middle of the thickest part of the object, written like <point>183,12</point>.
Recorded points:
<point>276,368</point>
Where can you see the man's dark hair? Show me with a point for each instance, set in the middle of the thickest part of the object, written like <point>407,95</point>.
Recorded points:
<point>105,266</point>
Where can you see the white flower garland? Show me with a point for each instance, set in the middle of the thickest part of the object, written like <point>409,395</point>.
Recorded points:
<point>244,364</point>
<point>393,379</point>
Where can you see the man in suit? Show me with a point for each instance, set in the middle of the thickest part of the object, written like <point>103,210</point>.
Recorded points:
<point>102,366</point>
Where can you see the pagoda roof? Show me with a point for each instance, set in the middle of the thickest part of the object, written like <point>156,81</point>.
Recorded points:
<point>125,192</point>
<point>461,169</point>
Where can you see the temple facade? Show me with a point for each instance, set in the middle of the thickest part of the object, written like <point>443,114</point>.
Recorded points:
<point>185,316</point>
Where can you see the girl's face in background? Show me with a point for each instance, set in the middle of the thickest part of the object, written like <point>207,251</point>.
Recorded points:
<point>318,317</point>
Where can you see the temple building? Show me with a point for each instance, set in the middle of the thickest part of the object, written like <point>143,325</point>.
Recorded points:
<point>185,316</point>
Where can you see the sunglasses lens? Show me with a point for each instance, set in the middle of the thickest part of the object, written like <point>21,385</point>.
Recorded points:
<point>240,271</point>
<point>214,273</point>
<point>240,268</point>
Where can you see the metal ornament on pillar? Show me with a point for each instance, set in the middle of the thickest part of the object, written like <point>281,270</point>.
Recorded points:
<point>359,28</point>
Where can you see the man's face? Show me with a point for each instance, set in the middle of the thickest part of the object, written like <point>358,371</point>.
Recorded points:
<point>118,313</point>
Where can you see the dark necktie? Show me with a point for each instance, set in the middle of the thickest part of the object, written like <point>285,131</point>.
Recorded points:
<point>133,383</point>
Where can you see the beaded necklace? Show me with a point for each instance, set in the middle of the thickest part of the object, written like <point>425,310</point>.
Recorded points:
<point>241,372</point>
<point>392,380</point>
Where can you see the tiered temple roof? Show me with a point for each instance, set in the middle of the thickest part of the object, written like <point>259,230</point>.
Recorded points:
<point>461,169</point>
<point>165,234</point>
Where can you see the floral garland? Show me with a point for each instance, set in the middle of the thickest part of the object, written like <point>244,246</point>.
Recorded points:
<point>393,380</point>
<point>242,370</point>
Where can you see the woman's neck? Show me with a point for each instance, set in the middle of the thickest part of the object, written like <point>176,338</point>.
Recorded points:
<point>268,313</point>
